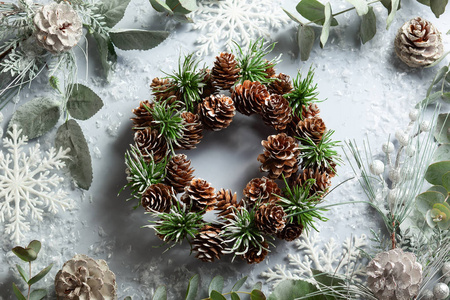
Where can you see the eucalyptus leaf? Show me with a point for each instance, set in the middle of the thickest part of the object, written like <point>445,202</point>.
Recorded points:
<point>108,56</point>
<point>215,295</point>
<point>361,6</point>
<point>160,293</point>
<point>83,102</point>
<point>429,99</point>
<point>313,10</point>
<point>291,289</point>
<point>438,77</point>
<point>438,7</point>
<point>112,10</point>
<point>191,293</point>
<point>438,60</point>
<point>18,293</point>
<point>239,284</point>
<point>436,171</point>
<point>35,245</point>
<point>22,273</point>
<point>257,286</point>
<point>137,39</point>
<point>328,279</point>
<point>368,27</point>
<point>446,97</point>
<point>70,135</point>
<point>388,5</point>
<point>442,153</point>
<point>426,200</point>
<point>216,285</point>
<point>40,275</point>
<point>394,7</point>
<point>424,2</point>
<point>127,298</point>
<point>160,6</point>
<point>292,17</point>
<point>442,131</point>
<point>326,25</point>
<point>182,6</point>
<point>446,181</point>
<point>36,117</point>
<point>25,254</point>
<point>439,189</point>
<point>305,37</point>
<point>257,295</point>
<point>234,296</point>
<point>38,294</point>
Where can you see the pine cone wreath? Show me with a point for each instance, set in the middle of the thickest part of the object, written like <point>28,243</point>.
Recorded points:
<point>179,172</point>
<point>418,43</point>
<point>192,131</point>
<point>151,144</point>
<point>290,232</point>
<point>208,243</point>
<point>255,255</point>
<point>313,128</point>
<point>262,190</point>
<point>322,181</point>
<point>281,85</point>
<point>217,112</point>
<point>209,87</point>
<point>280,156</point>
<point>225,71</point>
<point>158,198</point>
<point>199,196</point>
<point>164,89</point>
<point>249,97</point>
<point>143,118</point>
<point>276,112</point>
<point>226,203</point>
<point>270,218</point>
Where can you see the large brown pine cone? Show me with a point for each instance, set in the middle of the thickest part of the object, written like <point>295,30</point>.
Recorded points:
<point>209,87</point>
<point>270,218</point>
<point>208,243</point>
<point>225,71</point>
<point>255,255</point>
<point>151,144</point>
<point>199,196</point>
<point>249,97</point>
<point>192,131</point>
<point>282,85</point>
<point>262,190</point>
<point>158,198</point>
<point>226,203</point>
<point>290,232</point>
<point>322,181</point>
<point>313,127</point>
<point>276,112</point>
<point>164,89</point>
<point>280,156</point>
<point>217,112</point>
<point>179,172</point>
<point>418,43</point>
<point>143,118</point>
<point>309,111</point>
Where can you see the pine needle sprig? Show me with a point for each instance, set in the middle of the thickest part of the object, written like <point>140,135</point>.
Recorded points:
<point>304,92</point>
<point>189,81</point>
<point>253,65</point>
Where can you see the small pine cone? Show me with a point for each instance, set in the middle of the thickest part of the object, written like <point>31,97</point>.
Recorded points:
<point>307,112</point>
<point>280,156</point>
<point>210,87</point>
<point>225,71</point>
<point>158,198</point>
<point>217,112</point>
<point>143,118</point>
<point>418,43</point>
<point>282,85</point>
<point>255,255</point>
<point>151,144</point>
<point>179,172</point>
<point>276,112</point>
<point>322,181</point>
<point>226,200</point>
<point>192,132</point>
<point>208,243</point>
<point>270,71</point>
<point>313,127</point>
<point>290,232</point>
<point>199,195</point>
<point>270,218</point>
<point>164,89</point>
<point>261,189</point>
<point>249,97</point>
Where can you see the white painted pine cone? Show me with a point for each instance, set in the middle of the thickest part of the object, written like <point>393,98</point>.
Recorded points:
<point>394,275</point>
<point>418,43</point>
<point>58,27</point>
<point>85,278</point>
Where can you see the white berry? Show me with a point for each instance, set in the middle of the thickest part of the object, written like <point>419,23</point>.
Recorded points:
<point>394,175</point>
<point>410,150</point>
<point>402,138</point>
<point>413,114</point>
<point>440,291</point>
<point>427,295</point>
<point>392,196</point>
<point>376,167</point>
<point>446,269</point>
<point>425,126</point>
<point>388,147</point>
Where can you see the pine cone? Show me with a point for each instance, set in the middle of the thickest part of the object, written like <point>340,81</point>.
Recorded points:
<point>58,27</point>
<point>310,111</point>
<point>261,189</point>
<point>164,89</point>
<point>151,144</point>
<point>322,184</point>
<point>270,218</point>
<point>226,202</point>
<point>210,87</point>
<point>225,71</point>
<point>282,85</point>
<point>255,255</point>
<point>313,127</point>
<point>276,112</point>
<point>418,43</point>
<point>143,118</point>
<point>179,172</point>
<point>249,97</point>
<point>199,195</point>
<point>270,71</point>
<point>290,232</point>
<point>208,243</point>
<point>280,156</point>
<point>158,198</point>
<point>217,112</point>
<point>192,132</point>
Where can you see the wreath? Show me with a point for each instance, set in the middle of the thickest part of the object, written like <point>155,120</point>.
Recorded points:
<point>298,162</point>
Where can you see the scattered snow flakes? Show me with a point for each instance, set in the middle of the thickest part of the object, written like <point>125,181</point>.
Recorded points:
<point>331,258</point>
<point>241,21</point>
<point>26,185</point>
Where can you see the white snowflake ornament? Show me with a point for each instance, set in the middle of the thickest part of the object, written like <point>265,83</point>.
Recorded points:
<point>27,185</point>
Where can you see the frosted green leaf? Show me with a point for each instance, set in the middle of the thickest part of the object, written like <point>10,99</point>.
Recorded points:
<point>239,284</point>
<point>216,284</point>
<point>361,6</point>
<point>436,171</point>
<point>439,189</point>
<point>368,27</point>
<point>137,39</point>
<point>314,11</point>
<point>112,10</point>
<point>191,293</point>
<point>326,25</point>
<point>83,102</point>
<point>305,37</point>
<point>426,200</point>
<point>160,293</point>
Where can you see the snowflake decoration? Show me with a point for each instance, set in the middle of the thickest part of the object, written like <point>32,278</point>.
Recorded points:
<point>332,259</point>
<point>241,21</point>
<point>26,186</point>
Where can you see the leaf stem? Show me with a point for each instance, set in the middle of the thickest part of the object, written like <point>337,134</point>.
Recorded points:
<point>29,286</point>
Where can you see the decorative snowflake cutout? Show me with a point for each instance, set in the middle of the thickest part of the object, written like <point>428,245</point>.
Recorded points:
<point>241,21</point>
<point>26,186</point>
<point>333,259</point>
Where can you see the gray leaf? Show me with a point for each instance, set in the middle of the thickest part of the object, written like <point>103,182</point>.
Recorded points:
<point>394,7</point>
<point>442,131</point>
<point>182,6</point>
<point>313,10</point>
<point>305,37</point>
<point>36,117</point>
<point>137,39</point>
<point>438,7</point>
<point>69,135</point>
<point>368,26</point>
<point>160,6</point>
<point>361,6</point>
<point>108,56</point>
<point>83,103</point>
<point>113,10</point>
<point>326,25</point>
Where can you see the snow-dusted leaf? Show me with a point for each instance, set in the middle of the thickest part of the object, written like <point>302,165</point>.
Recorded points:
<point>108,56</point>
<point>305,38</point>
<point>112,10</point>
<point>361,6</point>
<point>83,102</point>
<point>326,25</point>
<point>137,39</point>
<point>368,27</point>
